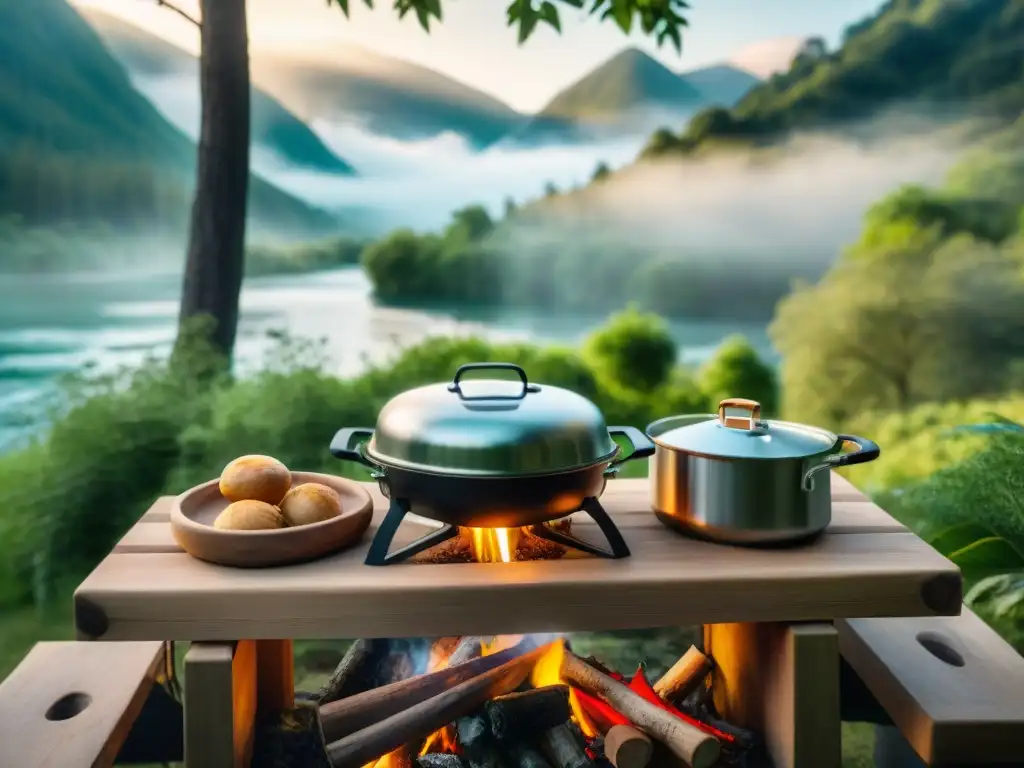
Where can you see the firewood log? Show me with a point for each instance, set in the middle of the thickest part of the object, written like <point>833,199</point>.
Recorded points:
<point>563,749</point>
<point>684,677</point>
<point>355,671</point>
<point>626,747</point>
<point>469,647</point>
<point>439,760</point>
<point>696,748</point>
<point>425,717</point>
<point>520,715</point>
<point>478,745</point>
<point>345,716</point>
<point>745,739</point>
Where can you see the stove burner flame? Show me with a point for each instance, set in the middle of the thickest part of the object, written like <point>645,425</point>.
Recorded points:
<point>494,545</point>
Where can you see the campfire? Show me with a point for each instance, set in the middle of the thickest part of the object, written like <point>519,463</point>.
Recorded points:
<point>500,545</point>
<point>519,702</point>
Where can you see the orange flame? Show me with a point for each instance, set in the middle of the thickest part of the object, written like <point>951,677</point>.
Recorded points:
<point>494,545</point>
<point>548,671</point>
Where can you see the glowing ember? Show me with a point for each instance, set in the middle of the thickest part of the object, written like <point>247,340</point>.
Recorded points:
<point>494,545</point>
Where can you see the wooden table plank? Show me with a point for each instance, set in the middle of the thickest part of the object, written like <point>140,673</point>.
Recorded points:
<point>670,580</point>
<point>72,705</point>
<point>953,687</point>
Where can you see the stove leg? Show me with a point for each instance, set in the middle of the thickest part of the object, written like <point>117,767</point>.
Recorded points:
<point>618,548</point>
<point>781,680</point>
<point>378,553</point>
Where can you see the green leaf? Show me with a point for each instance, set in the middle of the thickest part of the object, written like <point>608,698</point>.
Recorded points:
<point>549,14</point>
<point>527,23</point>
<point>986,557</point>
<point>988,588</point>
<point>949,540</point>
<point>343,4</point>
<point>623,13</point>
<point>1009,606</point>
<point>423,16</point>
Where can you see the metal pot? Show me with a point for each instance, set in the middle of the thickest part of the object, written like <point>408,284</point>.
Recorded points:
<point>488,453</point>
<point>742,480</point>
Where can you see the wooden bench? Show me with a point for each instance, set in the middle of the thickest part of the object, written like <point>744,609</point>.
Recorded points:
<point>72,705</point>
<point>951,685</point>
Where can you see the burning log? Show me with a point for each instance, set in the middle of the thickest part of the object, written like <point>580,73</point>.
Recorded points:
<point>353,673</point>
<point>745,739</point>
<point>426,716</point>
<point>439,760</point>
<point>477,743</point>
<point>519,715</point>
<point>469,647</point>
<point>563,749</point>
<point>696,748</point>
<point>684,677</point>
<point>626,747</point>
<point>522,756</point>
<point>346,716</point>
<point>368,664</point>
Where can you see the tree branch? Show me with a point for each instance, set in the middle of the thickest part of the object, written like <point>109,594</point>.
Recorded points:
<point>180,12</point>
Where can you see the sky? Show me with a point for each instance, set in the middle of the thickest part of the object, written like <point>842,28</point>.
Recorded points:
<point>474,46</point>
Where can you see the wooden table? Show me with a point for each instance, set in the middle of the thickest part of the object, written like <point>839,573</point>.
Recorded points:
<point>767,613</point>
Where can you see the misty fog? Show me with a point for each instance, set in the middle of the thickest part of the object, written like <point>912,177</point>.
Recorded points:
<point>799,204</point>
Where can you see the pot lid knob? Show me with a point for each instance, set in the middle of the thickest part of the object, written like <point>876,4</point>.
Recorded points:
<point>749,423</point>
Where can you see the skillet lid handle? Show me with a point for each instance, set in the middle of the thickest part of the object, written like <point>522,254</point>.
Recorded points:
<point>749,422</point>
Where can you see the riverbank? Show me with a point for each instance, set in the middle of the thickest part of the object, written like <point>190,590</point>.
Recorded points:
<point>55,325</point>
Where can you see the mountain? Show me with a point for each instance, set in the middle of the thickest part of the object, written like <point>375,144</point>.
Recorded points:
<point>631,92</point>
<point>722,84</point>
<point>948,58</point>
<point>629,81</point>
<point>79,143</point>
<point>149,58</point>
<point>387,96</point>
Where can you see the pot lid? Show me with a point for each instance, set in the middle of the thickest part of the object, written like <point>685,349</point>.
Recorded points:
<point>490,427</point>
<point>741,437</point>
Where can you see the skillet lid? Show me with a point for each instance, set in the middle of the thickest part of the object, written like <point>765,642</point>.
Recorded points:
<point>490,427</point>
<point>741,437</point>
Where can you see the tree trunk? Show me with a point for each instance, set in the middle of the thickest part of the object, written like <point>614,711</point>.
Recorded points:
<point>216,251</point>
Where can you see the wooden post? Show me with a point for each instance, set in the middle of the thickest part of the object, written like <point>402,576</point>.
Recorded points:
<point>220,704</point>
<point>275,676</point>
<point>781,680</point>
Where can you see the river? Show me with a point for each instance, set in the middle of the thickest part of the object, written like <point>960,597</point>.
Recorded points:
<point>53,325</point>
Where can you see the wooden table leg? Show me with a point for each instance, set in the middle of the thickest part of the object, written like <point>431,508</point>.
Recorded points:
<point>220,704</point>
<point>275,676</point>
<point>781,680</point>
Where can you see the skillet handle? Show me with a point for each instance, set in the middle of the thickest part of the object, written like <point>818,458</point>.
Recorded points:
<point>867,450</point>
<point>343,439</point>
<point>643,447</point>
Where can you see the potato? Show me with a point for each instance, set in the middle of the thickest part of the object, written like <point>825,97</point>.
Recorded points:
<point>257,478</point>
<point>249,515</point>
<point>310,503</point>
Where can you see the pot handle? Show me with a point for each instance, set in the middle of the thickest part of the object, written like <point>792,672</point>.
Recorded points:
<point>528,388</point>
<point>749,422</point>
<point>643,447</point>
<point>867,450</point>
<point>343,439</point>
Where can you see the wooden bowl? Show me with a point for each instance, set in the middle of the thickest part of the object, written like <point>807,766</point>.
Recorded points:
<point>195,510</point>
